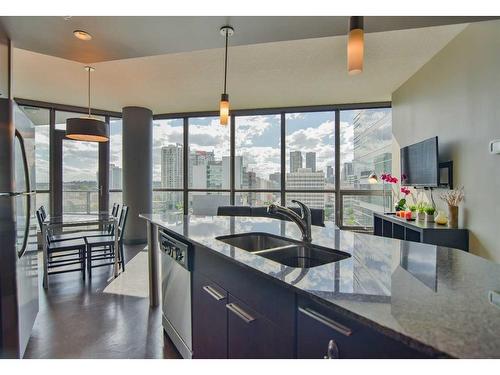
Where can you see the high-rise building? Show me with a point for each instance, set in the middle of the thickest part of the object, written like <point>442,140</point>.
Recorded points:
<point>306,179</point>
<point>330,175</point>
<point>372,153</point>
<point>171,166</point>
<point>275,179</point>
<point>214,175</point>
<point>348,173</point>
<point>311,161</point>
<point>295,161</point>
<point>115,177</point>
<point>238,172</point>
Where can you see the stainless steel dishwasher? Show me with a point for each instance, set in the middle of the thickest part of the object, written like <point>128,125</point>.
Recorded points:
<point>176,292</point>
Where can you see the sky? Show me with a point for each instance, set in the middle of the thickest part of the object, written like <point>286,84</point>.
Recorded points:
<point>257,140</point>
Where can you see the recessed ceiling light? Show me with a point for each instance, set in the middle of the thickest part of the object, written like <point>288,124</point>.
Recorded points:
<point>82,35</point>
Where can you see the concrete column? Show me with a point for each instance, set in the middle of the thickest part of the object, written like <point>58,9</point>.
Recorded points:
<point>137,170</point>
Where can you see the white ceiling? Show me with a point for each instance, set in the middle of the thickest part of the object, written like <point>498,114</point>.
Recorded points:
<point>288,73</point>
<point>116,38</point>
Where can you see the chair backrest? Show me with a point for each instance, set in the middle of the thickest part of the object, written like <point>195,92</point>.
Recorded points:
<point>121,222</point>
<point>114,213</point>
<point>234,211</point>
<point>114,210</point>
<point>317,214</point>
<point>43,212</point>
<point>39,217</point>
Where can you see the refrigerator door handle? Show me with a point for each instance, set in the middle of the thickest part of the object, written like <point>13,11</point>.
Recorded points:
<point>27,192</point>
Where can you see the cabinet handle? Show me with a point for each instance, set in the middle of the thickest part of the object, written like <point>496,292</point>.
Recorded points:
<point>216,295</point>
<point>340,328</point>
<point>239,312</point>
<point>332,351</point>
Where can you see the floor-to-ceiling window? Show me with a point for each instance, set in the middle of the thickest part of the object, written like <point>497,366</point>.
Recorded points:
<point>168,169</point>
<point>259,158</point>
<point>41,119</point>
<point>80,171</point>
<point>115,161</point>
<point>366,139</point>
<point>257,161</point>
<point>310,160</point>
<point>277,156</point>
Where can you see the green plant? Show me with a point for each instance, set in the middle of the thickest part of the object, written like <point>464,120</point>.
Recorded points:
<point>430,210</point>
<point>413,208</point>
<point>421,207</point>
<point>400,206</point>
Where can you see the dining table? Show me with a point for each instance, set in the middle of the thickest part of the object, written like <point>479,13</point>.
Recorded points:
<point>57,223</point>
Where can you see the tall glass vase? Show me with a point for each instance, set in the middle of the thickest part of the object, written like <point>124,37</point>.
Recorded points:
<point>453,216</point>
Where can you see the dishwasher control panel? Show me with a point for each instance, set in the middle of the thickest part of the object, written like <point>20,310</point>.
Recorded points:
<point>173,248</point>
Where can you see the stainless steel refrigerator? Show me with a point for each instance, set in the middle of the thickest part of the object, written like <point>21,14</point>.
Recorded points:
<point>18,241</point>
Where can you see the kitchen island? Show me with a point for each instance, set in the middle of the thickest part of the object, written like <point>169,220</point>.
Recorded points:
<point>431,300</point>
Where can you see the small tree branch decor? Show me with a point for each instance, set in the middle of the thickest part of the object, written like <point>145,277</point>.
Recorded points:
<point>453,198</point>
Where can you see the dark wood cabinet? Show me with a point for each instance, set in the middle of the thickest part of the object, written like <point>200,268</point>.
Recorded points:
<point>253,336</point>
<point>323,333</point>
<point>209,318</point>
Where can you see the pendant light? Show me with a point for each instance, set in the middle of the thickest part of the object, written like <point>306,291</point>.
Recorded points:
<point>355,45</point>
<point>225,31</point>
<point>87,128</point>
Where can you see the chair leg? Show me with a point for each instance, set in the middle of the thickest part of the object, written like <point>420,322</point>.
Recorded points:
<point>122,258</point>
<point>89,261</point>
<point>82,262</point>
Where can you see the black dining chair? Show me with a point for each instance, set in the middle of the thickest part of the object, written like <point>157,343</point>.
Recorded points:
<point>108,230</point>
<point>101,250</point>
<point>64,254</point>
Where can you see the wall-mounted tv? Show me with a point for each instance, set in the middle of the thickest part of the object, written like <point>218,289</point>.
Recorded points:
<point>420,164</point>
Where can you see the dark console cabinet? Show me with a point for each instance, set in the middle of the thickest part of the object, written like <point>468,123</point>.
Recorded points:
<point>387,225</point>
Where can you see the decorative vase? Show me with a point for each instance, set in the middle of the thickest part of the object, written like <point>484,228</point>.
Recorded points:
<point>441,218</point>
<point>420,216</point>
<point>453,216</point>
<point>429,218</point>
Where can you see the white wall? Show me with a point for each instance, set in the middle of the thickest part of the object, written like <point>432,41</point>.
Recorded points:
<point>456,96</point>
<point>4,65</point>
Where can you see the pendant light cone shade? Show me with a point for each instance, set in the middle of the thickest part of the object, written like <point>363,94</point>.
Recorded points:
<point>225,31</point>
<point>355,45</point>
<point>224,109</point>
<point>87,128</point>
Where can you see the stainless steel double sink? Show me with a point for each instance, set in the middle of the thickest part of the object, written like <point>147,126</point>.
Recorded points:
<point>285,251</point>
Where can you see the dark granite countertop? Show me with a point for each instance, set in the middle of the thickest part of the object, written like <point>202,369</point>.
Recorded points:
<point>421,294</point>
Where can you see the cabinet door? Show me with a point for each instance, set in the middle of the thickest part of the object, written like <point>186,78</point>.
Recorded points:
<point>251,336</point>
<point>209,318</point>
<point>324,334</point>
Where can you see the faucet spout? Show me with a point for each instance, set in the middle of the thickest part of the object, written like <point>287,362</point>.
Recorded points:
<point>303,221</point>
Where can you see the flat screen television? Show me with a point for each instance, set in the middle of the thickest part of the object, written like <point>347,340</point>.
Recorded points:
<point>420,164</point>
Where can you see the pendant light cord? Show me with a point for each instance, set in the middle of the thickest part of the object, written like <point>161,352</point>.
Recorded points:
<point>225,63</point>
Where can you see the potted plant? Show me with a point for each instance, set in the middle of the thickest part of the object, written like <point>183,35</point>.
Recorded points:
<point>429,214</point>
<point>413,210</point>
<point>421,206</point>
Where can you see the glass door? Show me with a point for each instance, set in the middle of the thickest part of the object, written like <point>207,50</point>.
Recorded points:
<point>80,169</point>
<point>83,190</point>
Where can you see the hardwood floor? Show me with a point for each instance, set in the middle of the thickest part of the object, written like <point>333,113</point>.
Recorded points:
<point>78,319</point>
